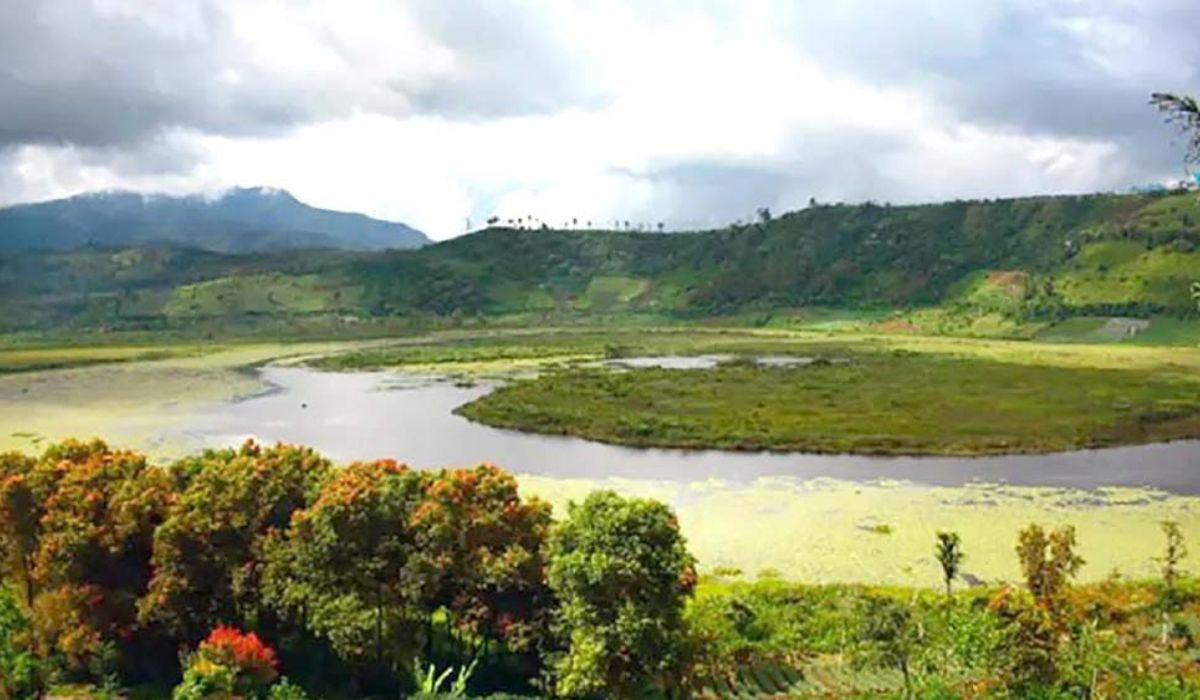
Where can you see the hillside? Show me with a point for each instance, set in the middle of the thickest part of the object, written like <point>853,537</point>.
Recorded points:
<point>948,266</point>
<point>242,220</point>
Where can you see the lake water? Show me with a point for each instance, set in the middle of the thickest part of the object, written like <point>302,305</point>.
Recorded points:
<point>368,415</point>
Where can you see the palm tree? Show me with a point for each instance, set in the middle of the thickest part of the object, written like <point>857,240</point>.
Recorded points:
<point>1183,112</point>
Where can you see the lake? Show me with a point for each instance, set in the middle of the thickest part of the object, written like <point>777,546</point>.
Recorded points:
<point>368,415</point>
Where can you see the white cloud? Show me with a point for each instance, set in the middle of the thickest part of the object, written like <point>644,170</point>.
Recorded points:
<point>689,113</point>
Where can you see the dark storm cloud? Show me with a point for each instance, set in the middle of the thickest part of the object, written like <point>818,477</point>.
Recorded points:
<point>75,72</point>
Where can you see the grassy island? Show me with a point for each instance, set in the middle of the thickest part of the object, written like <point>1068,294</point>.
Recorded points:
<point>895,402</point>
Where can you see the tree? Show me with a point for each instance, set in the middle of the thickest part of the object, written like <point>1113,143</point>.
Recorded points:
<point>92,560</point>
<point>622,573</point>
<point>344,565</point>
<point>24,490</point>
<point>1183,112</point>
<point>1175,552</point>
<point>208,552</point>
<point>1048,561</point>
<point>764,215</point>
<point>480,548</point>
<point>950,556</point>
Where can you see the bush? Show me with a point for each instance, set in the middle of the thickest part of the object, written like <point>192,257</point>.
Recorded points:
<point>21,672</point>
<point>286,690</point>
<point>204,680</point>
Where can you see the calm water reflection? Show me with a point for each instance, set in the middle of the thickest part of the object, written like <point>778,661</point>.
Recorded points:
<point>378,414</point>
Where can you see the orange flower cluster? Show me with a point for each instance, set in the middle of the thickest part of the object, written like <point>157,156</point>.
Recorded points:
<point>245,654</point>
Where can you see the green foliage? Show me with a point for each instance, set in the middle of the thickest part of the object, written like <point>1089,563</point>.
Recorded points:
<point>344,565</point>
<point>443,573</point>
<point>286,690</point>
<point>1173,555</point>
<point>900,405</point>
<point>950,557</point>
<point>22,673</point>
<point>453,681</point>
<point>891,635</point>
<point>204,680</point>
<point>1005,261</point>
<point>622,575</point>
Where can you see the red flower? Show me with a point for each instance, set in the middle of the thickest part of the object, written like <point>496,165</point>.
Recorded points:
<point>245,654</point>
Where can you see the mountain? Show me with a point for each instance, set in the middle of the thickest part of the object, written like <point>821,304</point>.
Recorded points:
<point>1016,264</point>
<point>241,220</point>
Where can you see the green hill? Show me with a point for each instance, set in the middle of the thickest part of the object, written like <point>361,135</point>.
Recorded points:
<point>967,266</point>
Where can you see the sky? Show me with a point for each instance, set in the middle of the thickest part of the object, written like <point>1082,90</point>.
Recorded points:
<point>695,113</point>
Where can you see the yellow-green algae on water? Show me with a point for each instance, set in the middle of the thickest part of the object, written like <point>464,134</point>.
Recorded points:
<point>827,530</point>
<point>131,404</point>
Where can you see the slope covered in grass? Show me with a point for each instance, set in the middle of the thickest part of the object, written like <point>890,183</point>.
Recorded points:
<point>1003,267</point>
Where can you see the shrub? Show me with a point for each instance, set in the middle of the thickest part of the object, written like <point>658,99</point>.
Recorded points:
<point>251,662</point>
<point>21,672</point>
<point>204,680</point>
<point>286,690</point>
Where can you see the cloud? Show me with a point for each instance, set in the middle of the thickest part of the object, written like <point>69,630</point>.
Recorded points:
<point>108,72</point>
<point>693,113</point>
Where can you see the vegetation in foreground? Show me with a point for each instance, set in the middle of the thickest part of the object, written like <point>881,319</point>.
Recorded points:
<point>879,403</point>
<point>223,573</point>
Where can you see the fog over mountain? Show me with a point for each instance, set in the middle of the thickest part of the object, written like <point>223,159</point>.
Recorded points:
<point>238,220</point>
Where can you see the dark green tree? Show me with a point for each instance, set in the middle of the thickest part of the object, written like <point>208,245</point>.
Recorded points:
<point>622,573</point>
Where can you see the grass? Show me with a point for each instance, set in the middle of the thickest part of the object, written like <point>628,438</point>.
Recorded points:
<point>774,639</point>
<point>877,403</point>
<point>262,294</point>
<point>38,359</point>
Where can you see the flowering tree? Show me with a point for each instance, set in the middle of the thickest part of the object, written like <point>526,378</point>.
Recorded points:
<point>343,565</point>
<point>91,561</point>
<point>208,551</point>
<point>480,552</point>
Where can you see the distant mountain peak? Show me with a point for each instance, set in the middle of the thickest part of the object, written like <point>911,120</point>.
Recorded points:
<point>260,191</point>
<point>240,219</point>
